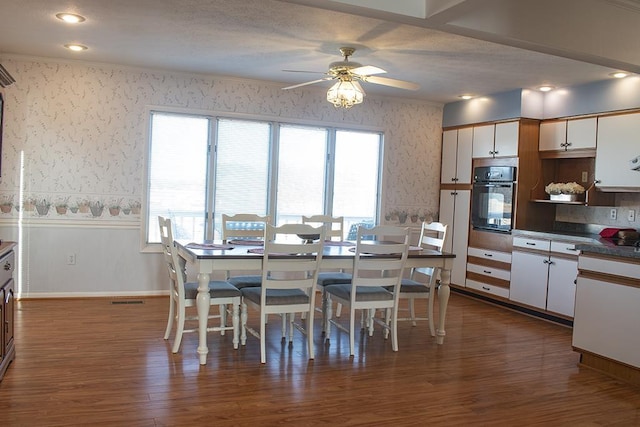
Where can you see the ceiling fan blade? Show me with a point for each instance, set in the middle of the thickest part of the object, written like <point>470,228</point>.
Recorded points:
<point>304,71</point>
<point>367,70</point>
<point>307,83</point>
<point>392,82</point>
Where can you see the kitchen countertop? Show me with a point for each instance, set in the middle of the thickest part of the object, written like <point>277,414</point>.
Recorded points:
<point>586,243</point>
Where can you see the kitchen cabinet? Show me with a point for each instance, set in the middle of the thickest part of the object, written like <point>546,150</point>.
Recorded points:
<point>488,271</point>
<point>568,135</point>
<point>543,274</point>
<point>607,320</point>
<point>618,144</point>
<point>454,211</point>
<point>496,140</point>
<point>456,156</point>
<point>7,307</point>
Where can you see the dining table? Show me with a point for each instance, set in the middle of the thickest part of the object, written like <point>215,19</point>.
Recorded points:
<point>210,256</point>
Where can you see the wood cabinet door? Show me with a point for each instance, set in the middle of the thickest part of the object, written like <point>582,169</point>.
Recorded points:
<point>506,139</point>
<point>618,144</point>
<point>581,133</point>
<point>529,273</point>
<point>561,290</point>
<point>483,141</point>
<point>552,135</point>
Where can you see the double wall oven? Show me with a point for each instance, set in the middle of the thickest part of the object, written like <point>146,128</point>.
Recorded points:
<point>492,198</point>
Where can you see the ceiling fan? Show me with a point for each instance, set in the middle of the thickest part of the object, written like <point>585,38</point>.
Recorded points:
<point>347,91</point>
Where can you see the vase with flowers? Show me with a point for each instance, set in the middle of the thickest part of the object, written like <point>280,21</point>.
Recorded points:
<point>565,192</point>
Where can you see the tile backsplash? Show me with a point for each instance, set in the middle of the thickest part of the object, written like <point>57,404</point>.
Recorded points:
<point>601,215</point>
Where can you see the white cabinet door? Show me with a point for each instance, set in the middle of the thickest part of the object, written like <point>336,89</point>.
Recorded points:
<point>449,156</point>
<point>529,279</point>
<point>483,141</point>
<point>561,291</point>
<point>553,135</point>
<point>454,211</point>
<point>506,139</point>
<point>456,156</point>
<point>581,133</point>
<point>618,144</point>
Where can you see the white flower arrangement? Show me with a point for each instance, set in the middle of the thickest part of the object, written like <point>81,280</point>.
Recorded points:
<point>564,188</point>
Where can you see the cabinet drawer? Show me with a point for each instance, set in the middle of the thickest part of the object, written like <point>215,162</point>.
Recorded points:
<point>564,248</point>
<point>537,244</point>
<point>489,271</point>
<point>490,255</point>
<point>629,270</point>
<point>490,289</point>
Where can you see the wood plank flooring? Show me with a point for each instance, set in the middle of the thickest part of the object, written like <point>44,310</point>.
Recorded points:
<point>91,362</point>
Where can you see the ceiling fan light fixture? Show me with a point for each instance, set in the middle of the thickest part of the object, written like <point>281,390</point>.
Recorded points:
<point>345,94</point>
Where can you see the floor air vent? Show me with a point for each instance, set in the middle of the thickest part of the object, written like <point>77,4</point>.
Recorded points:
<point>137,301</point>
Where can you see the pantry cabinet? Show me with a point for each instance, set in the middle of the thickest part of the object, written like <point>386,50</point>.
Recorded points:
<point>454,211</point>
<point>456,156</point>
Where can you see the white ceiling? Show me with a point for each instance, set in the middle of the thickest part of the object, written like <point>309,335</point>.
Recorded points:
<point>449,47</point>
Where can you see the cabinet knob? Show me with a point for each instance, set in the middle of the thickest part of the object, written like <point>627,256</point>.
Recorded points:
<point>546,261</point>
<point>7,266</point>
<point>495,153</point>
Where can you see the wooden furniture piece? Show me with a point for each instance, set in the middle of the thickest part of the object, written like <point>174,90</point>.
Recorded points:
<point>248,228</point>
<point>7,306</point>
<point>206,261</point>
<point>288,283</point>
<point>422,282</point>
<point>183,295</point>
<point>377,272</point>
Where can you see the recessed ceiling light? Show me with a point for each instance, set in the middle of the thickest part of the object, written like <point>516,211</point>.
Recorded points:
<point>466,96</point>
<point>545,88</point>
<point>619,74</point>
<point>70,18</point>
<point>76,47</point>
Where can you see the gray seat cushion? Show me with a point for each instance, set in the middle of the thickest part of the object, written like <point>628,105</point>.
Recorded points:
<point>217,289</point>
<point>333,278</point>
<point>375,293</point>
<point>411,286</point>
<point>276,296</point>
<point>245,281</point>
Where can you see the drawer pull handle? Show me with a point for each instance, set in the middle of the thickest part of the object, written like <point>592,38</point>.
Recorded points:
<point>487,272</point>
<point>571,249</point>
<point>486,288</point>
<point>530,244</point>
<point>488,255</point>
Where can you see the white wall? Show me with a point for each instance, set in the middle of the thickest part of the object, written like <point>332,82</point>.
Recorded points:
<point>77,132</point>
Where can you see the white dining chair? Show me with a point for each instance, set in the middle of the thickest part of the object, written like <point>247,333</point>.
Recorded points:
<point>182,294</point>
<point>247,228</point>
<point>288,282</point>
<point>380,256</point>
<point>423,282</point>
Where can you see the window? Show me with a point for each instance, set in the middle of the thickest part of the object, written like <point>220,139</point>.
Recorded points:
<point>201,164</point>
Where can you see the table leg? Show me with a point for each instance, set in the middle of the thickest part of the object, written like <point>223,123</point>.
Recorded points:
<point>443,301</point>
<point>202,304</point>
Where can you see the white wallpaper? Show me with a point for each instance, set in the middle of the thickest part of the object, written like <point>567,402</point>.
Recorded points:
<point>79,131</point>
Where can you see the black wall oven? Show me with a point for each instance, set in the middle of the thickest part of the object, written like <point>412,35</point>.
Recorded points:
<point>492,198</point>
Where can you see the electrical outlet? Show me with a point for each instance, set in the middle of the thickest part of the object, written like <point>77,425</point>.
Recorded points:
<point>632,215</point>
<point>613,214</point>
<point>585,176</point>
<point>71,259</point>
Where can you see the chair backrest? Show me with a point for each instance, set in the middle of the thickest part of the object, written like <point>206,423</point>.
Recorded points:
<point>433,235</point>
<point>175,264</point>
<point>334,225</point>
<point>299,272</point>
<point>243,226</point>
<point>381,253</point>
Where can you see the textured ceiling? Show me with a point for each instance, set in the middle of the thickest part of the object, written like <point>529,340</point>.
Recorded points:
<point>258,39</point>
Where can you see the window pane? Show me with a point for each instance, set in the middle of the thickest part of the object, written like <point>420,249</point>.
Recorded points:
<point>355,193</point>
<point>242,168</point>
<point>301,173</point>
<point>177,174</point>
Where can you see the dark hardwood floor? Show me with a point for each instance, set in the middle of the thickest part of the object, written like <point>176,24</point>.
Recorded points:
<point>91,362</point>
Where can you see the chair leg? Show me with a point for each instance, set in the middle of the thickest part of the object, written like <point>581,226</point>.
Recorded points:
<point>263,338</point>
<point>222,308</point>
<point>235,321</point>
<point>392,322</point>
<point>243,322</point>
<point>432,327</point>
<point>172,315</point>
<point>179,330</point>
<point>338,309</point>
<point>352,322</point>
<point>370,313</point>
<point>412,311</point>
<point>310,334</point>
<point>327,317</point>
